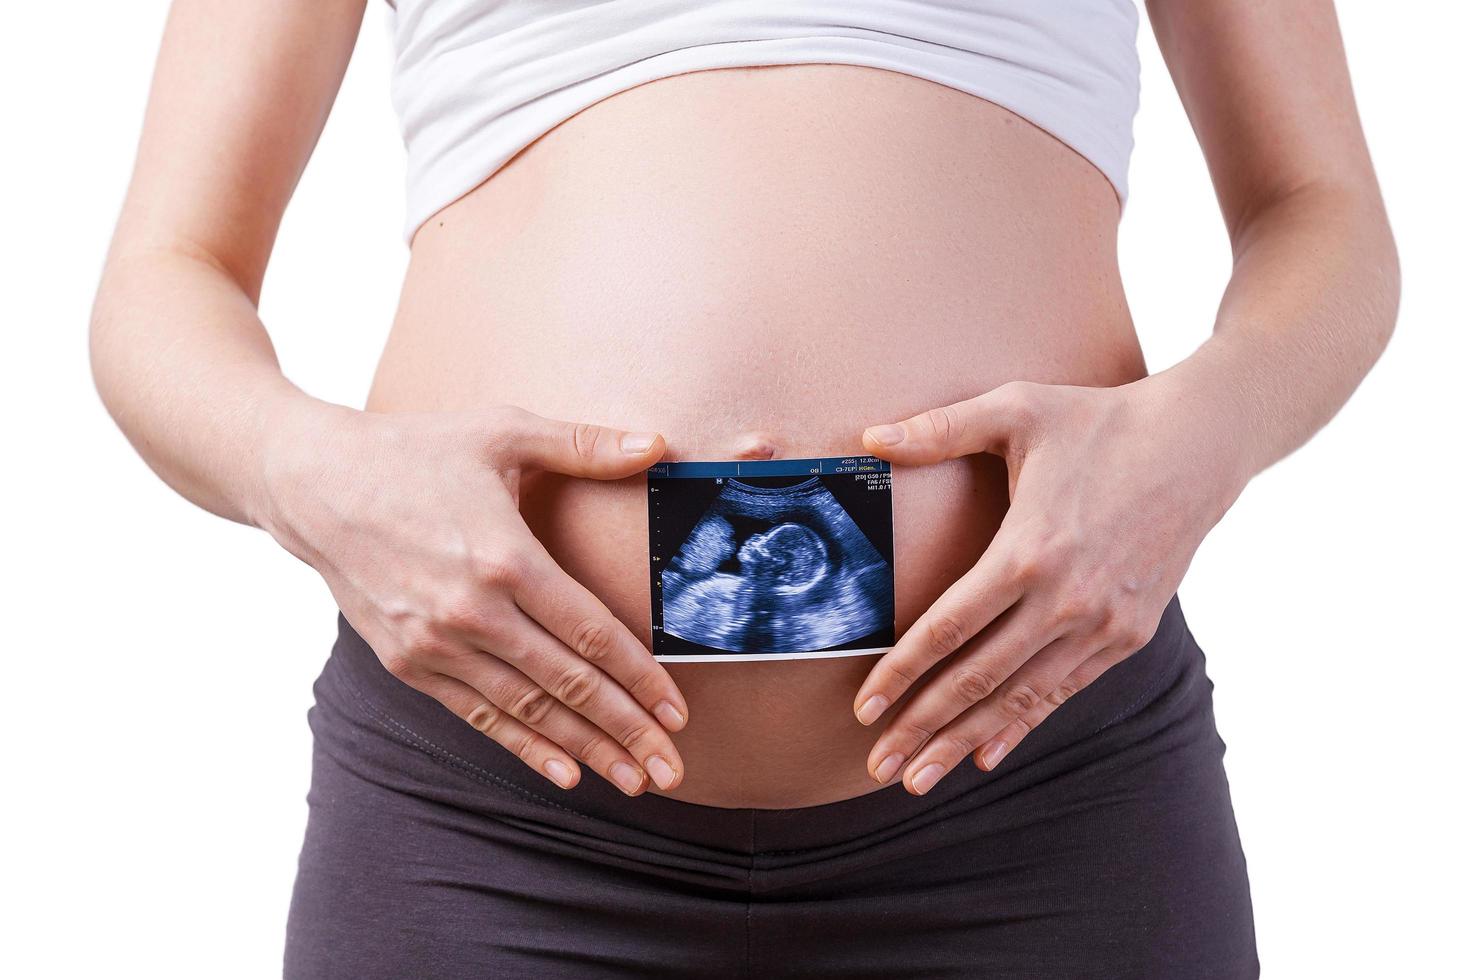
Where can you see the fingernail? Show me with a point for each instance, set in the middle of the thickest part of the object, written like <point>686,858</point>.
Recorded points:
<point>872,709</point>
<point>926,778</point>
<point>888,766</point>
<point>627,778</point>
<point>885,435</point>
<point>637,443</point>
<point>669,716</point>
<point>993,754</point>
<point>660,771</point>
<point>558,773</point>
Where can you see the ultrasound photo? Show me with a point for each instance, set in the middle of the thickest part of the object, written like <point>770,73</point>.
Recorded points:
<point>771,559</point>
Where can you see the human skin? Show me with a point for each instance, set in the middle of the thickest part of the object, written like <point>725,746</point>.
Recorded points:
<point>748,297</point>
<point>1080,572</point>
<point>965,264</point>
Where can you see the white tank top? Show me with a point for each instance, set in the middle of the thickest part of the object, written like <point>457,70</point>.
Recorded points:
<point>476,81</point>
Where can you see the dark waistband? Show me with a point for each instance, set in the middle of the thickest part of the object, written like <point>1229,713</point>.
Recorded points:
<point>1084,727</point>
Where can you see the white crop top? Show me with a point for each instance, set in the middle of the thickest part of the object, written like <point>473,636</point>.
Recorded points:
<point>476,81</point>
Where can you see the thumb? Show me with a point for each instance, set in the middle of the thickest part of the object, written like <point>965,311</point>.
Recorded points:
<point>581,449</point>
<point>987,423</point>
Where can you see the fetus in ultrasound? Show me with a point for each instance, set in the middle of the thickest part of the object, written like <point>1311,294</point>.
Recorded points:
<point>776,570</point>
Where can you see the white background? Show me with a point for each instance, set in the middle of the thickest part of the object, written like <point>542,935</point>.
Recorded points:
<point>158,661</point>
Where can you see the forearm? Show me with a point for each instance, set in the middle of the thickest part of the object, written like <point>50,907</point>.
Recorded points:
<point>1309,307</point>
<point>186,368</point>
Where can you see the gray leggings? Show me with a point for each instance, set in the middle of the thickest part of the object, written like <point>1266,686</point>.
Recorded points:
<point>1103,846</point>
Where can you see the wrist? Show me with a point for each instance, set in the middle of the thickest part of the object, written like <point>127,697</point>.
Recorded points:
<point>1205,428</point>
<point>291,430</point>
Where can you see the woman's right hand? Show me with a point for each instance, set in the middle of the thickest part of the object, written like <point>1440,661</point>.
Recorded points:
<point>412,519</point>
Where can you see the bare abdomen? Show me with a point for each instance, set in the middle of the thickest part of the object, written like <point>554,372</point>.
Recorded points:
<point>765,261</point>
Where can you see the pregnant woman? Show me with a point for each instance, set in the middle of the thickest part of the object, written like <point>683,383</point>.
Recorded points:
<point>648,230</point>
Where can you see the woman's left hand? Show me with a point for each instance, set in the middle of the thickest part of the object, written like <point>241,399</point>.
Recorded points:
<point>1112,490</point>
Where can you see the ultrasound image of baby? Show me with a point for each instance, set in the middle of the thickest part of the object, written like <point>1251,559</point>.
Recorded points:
<point>776,570</point>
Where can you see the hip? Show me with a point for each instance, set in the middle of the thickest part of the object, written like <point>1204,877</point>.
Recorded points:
<point>1103,846</point>
<point>368,718</point>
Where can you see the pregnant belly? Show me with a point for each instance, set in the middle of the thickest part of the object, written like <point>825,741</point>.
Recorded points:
<point>760,263</point>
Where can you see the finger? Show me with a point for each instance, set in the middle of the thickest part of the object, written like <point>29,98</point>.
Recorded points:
<point>971,603</point>
<point>586,689</point>
<point>996,749</point>
<point>576,617</point>
<point>987,423</point>
<point>537,751</point>
<point>982,666</point>
<point>1013,700</point>
<point>580,449</point>
<point>527,702</point>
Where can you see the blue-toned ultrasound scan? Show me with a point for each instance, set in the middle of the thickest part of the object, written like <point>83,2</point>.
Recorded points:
<point>771,559</point>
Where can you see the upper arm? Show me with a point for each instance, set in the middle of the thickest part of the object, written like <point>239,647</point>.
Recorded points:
<point>1266,88</point>
<point>240,95</point>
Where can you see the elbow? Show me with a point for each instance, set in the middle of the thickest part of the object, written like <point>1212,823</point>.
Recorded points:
<point>1393,282</point>
<point>105,347</point>
<point>1383,265</point>
<point>122,345</point>
<point>98,345</point>
<point>117,339</point>
<point>1346,224</point>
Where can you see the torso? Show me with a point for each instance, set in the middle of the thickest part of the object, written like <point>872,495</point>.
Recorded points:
<point>757,261</point>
